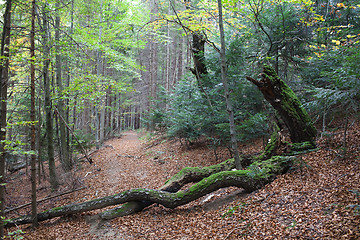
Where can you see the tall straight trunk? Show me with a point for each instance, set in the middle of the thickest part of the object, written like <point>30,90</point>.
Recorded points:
<point>38,137</point>
<point>180,62</point>
<point>167,59</point>
<point>4,79</point>
<point>86,120</point>
<point>229,106</point>
<point>47,102</point>
<point>66,161</point>
<point>153,65</point>
<point>32,119</point>
<point>99,72</point>
<point>97,124</point>
<point>67,112</point>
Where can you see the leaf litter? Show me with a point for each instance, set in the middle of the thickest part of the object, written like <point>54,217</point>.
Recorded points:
<point>317,199</point>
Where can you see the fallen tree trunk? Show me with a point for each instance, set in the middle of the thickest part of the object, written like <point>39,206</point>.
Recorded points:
<point>190,175</point>
<point>44,199</point>
<point>174,184</point>
<point>255,177</point>
<point>16,167</point>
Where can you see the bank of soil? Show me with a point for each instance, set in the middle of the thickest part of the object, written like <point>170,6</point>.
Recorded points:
<point>310,202</point>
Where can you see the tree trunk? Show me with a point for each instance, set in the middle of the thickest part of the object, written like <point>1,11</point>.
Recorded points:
<point>224,80</point>
<point>32,119</point>
<point>198,53</point>
<point>288,106</point>
<point>4,79</point>
<point>49,120</point>
<point>198,49</point>
<point>66,161</point>
<point>185,176</point>
<point>100,73</point>
<point>249,180</point>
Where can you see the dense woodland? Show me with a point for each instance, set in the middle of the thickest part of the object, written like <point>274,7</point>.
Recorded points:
<point>214,73</point>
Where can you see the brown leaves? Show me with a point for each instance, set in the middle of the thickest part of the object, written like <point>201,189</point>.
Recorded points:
<point>306,203</point>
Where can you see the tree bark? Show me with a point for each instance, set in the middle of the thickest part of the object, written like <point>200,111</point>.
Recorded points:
<point>198,49</point>
<point>47,102</point>
<point>4,79</point>
<point>255,177</point>
<point>229,107</point>
<point>64,153</point>
<point>174,184</point>
<point>32,119</point>
<point>287,105</point>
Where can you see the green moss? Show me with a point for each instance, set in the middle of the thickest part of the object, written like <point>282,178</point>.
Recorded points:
<point>270,147</point>
<point>137,190</point>
<point>273,166</point>
<point>206,182</point>
<point>257,170</point>
<point>289,99</point>
<point>302,146</point>
<point>290,102</point>
<point>180,194</point>
<point>54,209</point>
<point>201,171</point>
<point>112,213</point>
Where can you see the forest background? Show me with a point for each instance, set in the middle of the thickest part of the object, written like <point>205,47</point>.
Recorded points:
<point>77,72</point>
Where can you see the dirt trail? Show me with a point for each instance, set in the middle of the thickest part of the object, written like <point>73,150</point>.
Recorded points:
<point>122,160</point>
<point>124,163</point>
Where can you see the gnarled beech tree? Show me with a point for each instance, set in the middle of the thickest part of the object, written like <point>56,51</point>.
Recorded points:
<point>262,170</point>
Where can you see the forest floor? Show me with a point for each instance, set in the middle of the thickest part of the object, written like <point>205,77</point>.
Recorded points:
<point>317,199</point>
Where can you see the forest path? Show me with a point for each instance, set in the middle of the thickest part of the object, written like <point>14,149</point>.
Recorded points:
<point>126,162</point>
<point>122,160</point>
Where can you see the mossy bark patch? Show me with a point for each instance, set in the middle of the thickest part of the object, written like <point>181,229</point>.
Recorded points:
<point>288,106</point>
<point>195,174</point>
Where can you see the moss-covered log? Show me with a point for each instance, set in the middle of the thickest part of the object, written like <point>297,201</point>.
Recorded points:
<point>286,103</point>
<point>195,174</point>
<point>255,177</point>
<point>174,184</point>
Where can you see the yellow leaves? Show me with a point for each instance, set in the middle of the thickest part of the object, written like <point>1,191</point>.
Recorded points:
<point>340,5</point>
<point>312,20</point>
<point>337,42</point>
<point>318,54</point>
<point>317,47</point>
<point>319,18</point>
<point>13,68</point>
<point>350,36</point>
<point>307,2</point>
